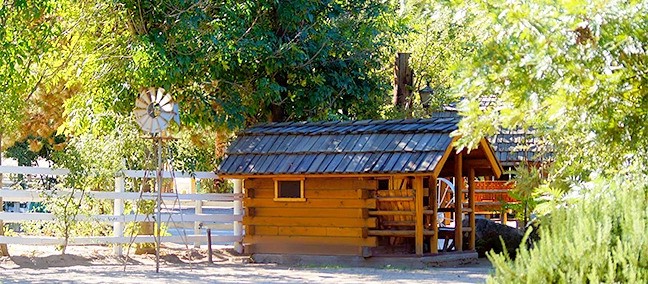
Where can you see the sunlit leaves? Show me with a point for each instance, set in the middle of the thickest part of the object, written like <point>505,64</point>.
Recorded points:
<point>575,69</point>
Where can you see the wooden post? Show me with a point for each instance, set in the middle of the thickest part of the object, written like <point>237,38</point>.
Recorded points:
<point>238,210</point>
<point>209,246</point>
<point>458,202</point>
<point>471,205</point>
<point>434,241</point>
<point>418,187</point>
<point>197,210</point>
<point>3,247</point>
<point>118,210</point>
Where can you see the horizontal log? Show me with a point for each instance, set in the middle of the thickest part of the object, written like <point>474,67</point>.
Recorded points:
<point>395,198</point>
<point>398,233</point>
<point>310,222</point>
<point>391,213</point>
<point>302,240</point>
<point>311,203</point>
<point>310,231</point>
<point>308,212</point>
<point>315,193</point>
<point>338,183</point>
<point>397,223</point>
<point>291,248</point>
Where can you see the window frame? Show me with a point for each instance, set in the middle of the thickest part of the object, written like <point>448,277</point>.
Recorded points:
<point>290,199</point>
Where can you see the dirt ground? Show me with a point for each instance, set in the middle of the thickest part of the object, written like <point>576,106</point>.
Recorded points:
<point>95,264</point>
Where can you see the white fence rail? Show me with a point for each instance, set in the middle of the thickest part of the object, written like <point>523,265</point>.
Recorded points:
<point>175,217</point>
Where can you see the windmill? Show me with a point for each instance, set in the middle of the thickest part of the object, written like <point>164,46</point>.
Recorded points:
<point>154,110</point>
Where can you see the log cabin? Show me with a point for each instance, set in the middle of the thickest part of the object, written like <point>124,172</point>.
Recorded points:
<point>354,188</point>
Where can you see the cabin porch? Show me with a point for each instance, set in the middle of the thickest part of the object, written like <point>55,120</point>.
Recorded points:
<point>417,215</point>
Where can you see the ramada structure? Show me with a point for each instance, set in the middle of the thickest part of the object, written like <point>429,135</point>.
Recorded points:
<point>356,188</point>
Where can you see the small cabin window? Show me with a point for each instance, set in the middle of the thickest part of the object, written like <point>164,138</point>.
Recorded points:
<point>383,184</point>
<point>289,190</point>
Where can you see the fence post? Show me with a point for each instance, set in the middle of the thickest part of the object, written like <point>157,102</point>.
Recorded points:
<point>118,211</point>
<point>238,210</point>
<point>3,247</point>
<point>198,210</point>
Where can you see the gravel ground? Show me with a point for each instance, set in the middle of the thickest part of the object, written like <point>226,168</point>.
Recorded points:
<point>93,264</point>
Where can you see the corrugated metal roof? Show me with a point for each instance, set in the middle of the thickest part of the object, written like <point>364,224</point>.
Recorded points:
<point>341,147</point>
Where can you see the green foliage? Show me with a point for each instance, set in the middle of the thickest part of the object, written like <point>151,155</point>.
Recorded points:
<point>234,63</point>
<point>574,71</point>
<point>597,237</point>
<point>439,35</point>
<point>528,180</point>
<point>27,154</point>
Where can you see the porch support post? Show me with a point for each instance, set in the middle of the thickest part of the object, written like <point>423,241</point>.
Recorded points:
<point>238,210</point>
<point>458,202</point>
<point>471,204</point>
<point>418,187</point>
<point>434,240</point>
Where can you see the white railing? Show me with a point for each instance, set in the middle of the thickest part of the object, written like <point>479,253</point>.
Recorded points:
<point>225,223</point>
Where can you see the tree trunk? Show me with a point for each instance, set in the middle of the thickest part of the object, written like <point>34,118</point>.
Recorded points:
<point>403,80</point>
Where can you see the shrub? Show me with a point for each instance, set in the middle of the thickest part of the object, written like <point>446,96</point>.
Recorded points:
<point>600,237</point>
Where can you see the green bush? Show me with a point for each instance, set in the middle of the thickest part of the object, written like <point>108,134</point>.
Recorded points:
<point>601,235</point>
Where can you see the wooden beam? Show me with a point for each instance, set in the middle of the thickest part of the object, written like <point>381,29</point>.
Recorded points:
<point>418,187</point>
<point>490,155</point>
<point>307,240</point>
<point>444,158</point>
<point>476,164</point>
<point>458,202</point>
<point>392,213</point>
<point>311,203</point>
<point>408,223</point>
<point>471,205</point>
<point>434,240</point>
<point>395,198</point>
<point>310,222</point>
<point>398,233</point>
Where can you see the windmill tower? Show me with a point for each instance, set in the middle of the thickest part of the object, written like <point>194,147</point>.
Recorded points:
<point>154,110</point>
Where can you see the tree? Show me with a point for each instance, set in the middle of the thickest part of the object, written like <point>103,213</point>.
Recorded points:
<point>438,35</point>
<point>575,72</point>
<point>236,63</point>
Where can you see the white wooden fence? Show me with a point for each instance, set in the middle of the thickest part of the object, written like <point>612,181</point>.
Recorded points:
<point>221,222</point>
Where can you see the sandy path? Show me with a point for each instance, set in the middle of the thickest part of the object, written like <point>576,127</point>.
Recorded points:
<point>90,265</point>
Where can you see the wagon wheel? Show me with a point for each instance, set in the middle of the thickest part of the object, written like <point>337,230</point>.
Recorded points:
<point>445,199</point>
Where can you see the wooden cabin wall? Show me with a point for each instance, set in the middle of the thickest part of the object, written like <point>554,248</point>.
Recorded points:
<point>332,221</point>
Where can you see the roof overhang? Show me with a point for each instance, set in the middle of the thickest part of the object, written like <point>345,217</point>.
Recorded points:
<point>482,160</point>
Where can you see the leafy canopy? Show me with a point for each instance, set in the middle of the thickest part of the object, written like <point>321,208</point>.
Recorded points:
<point>574,71</point>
